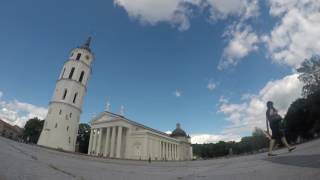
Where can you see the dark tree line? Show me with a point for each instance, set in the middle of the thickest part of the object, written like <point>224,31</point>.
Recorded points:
<point>249,144</point>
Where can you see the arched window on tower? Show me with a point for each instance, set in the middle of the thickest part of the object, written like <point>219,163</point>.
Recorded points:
<point>78,56</point>
<point>75,97</point>
<point>71,73</point>
<point>64,94</point>
<point>81,76</point>
<point>64,70</point>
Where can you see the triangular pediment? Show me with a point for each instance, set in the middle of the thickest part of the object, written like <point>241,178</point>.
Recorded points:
<point>105,117</point>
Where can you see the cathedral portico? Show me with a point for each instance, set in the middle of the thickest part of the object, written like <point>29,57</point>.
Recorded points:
<point>108,141</point>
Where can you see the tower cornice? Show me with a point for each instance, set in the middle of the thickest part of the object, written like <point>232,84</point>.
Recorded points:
<point>77,61</point>
<point>59,102</point>
<point>72,80</point>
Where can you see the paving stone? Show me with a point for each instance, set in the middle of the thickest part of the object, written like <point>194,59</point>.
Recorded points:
<point>31,162</point>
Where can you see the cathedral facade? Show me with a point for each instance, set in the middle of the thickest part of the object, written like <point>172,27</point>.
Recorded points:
<point>115,136</point>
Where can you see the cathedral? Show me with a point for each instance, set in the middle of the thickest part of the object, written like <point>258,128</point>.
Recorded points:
<point>115,136</point>
<point>112,135</point>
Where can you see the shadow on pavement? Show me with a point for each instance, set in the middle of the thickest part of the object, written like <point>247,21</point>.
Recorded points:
<point>311,161</point>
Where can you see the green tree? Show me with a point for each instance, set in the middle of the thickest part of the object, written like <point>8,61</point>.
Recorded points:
<point>310,75</point>
<point>259,139</point>
<point>32,130</point>
<point>297,120</point>
<point>83,137</point>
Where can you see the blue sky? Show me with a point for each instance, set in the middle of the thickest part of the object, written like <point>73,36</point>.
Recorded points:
<point>146,51</point>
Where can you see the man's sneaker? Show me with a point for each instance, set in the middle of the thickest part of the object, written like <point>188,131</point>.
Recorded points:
<point>270,154</point>
<point>291,149</point>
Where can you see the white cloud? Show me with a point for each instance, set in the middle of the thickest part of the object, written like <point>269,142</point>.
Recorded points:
<point>247,96</point>
<point>211,85</point>
<point>178,12</point>
<point>17,113</point>
<point>154,11</point>
<point>296,36</point>
<point>245,9</point>
<point>213,138</point>
<point>242,41</point>
<point>177,93</point>
<point>250,113</point>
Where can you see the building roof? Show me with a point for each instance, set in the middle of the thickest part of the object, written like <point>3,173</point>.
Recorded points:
<point>15,128</point>
<point>178,132</point>
<point>86,45</point>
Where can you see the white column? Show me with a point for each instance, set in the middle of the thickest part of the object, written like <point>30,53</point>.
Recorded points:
<point>173,151</point>
<point>166,150</point>
<point>160,150</point>
<point>99,141</point>
<point>94,149</point>
<point>163,150</point>
<point>90,142</point>
<point>113,137</point>
<point>170,151</point>
<point>176,152</point>
<point>119,142</point>
<point>172,146</point>
<point>106,149</point>
<point>159,153</point>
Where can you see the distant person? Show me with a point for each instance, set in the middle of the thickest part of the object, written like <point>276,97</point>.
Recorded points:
<point>274,119</point>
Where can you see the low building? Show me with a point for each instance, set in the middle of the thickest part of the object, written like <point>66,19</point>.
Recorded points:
<point>9,131</point>
<point>115,136</point>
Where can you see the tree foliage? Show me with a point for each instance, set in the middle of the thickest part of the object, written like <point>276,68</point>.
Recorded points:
<point>32,130</point>
<point>310,75</point>
<point>83,137</point>
<point>303,116</point>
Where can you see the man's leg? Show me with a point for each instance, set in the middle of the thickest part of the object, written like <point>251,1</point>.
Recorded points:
<point>284,141</point>
<point>271,145</point>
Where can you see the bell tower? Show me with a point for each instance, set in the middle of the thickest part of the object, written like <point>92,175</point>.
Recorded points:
<point>61,124</point>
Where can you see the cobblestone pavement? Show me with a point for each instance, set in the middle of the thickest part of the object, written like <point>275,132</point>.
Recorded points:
<point>30,162</point>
